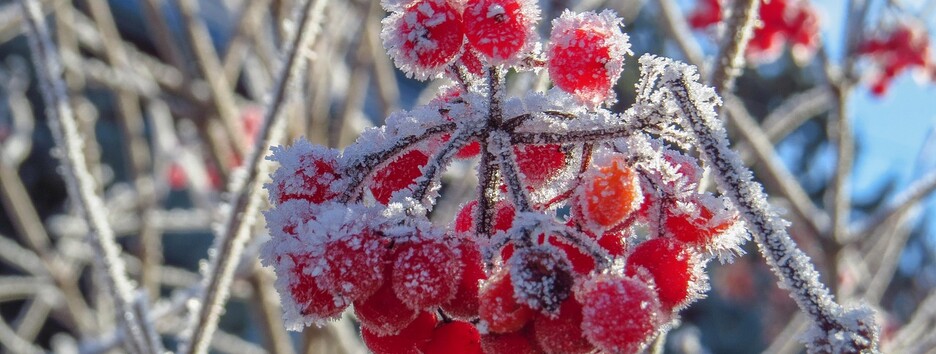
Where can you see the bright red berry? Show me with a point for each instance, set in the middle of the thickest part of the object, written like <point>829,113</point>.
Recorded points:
<point>539,163</point>
<point>465,302</point>
<point>562,332</point>
<point>503,217</point>
<point>700,228</point>
<point>425,273</point>
<point>410,340</point>
<point>424,37</point>
<point>586,54</point>
<point>500,29</point>
<point>456,337</point>
<point>398,174</point>
<point>383,313</point>
<point>356,264</point>
<point>619,314</point>
<point>669,264</point>
<point>306,172</point>
<point>499,308</point>
<point>312,300</point>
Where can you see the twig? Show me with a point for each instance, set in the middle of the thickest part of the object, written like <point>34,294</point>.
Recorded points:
<point>235,231</point>
<point>833,329</point>
<point>902,203</point>
<point>81,186</point>
<point>739,30</point>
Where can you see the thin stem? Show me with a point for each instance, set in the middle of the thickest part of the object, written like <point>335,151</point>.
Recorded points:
<point>81,186</point>
<point>787,261</point>
<point>573,136</point>
<point>739,30</point>
<point>239,221</point>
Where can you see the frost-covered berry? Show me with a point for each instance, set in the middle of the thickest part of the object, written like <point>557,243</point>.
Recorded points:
<point>562,332</point>
<point>398,174</point>
<point>383,313</point>
<point>586,52</point>
<point>503,217</point>
<point>669,264</point>
<point>312,301</point>
<point>619,314</point>
<point>306,172</point>
<point>609,194</point>
<point>410,340</point>
<point>456,337</point>
<point>425,273</point>
<point>499,308</point>
<point>465,302</point>
<point>703,225</point>
<point>541,277</point>
<point>539,163</point>
<point>424,37</point>
<point>501,30</point>
<point>356,264</point>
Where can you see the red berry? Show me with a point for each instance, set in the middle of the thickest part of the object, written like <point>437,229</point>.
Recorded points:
<point>706,14</point>
<point>562,332</point>
<point>582,263</point>
<point>384,313</point>
<point>398,174</point>
<point>503,217</point>
<point>465,302</point>
<point>539,163</point>
<point>425,37</point>
<point>468,151</point>
<point>619,314</point>
<point>518,342</point>
<point>499,29</point>
<point>610,194</point>
<point>356,263</point>
<point>425,273</point>
<point>699,229</point>
<point>472,63</point>
<point>410,340</point>
<point>306,172</point>
<point>586,54</point>
<point>499,308</point>
<point>312,300</point>
<point>669,265</point>
<point>456,337</point>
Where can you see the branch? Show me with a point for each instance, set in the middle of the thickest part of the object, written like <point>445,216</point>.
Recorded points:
<point>236,229</point>
<point>82,188</point>
<point>835,329</point>
<point>740,29</point>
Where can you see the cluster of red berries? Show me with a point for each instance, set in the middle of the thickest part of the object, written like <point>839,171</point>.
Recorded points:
<point>903,47</point>
<point>586,233</point>
<point>782,21</point>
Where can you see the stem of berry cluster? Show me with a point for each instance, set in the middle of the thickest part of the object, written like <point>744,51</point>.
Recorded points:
<point>790,264</point>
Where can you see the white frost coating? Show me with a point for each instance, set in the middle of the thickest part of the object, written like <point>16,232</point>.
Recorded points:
<point>833,328</point>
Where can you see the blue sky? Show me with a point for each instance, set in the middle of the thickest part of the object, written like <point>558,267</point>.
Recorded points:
<point>892,129</point>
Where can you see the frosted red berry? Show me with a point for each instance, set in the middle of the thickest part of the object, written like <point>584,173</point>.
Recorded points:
<point>398,174</point>
<point>356,264</point>
<point>500,29</point>
<point>306,172</point>
<point>619,314</point>
<point>541,277</point>
<point>539,163</point>
<point>464,304</point>
<point>499,308</point>
<point>700,228</point>
<point>562,332</point>
<point>585,54</point>
<point>425,273</point>
<point>383,313</point>
<point>313,300</point>
<point>424,37</point>
<point>518,342</point>
<point>670,266</point>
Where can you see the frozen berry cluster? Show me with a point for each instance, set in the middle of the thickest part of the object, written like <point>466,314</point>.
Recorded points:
<point>896,49</point>
<point>587,231</point>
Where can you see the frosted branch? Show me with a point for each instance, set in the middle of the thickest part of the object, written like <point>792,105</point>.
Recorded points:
<point>739,30</point>
<point>235,231</point>
<point>835,329</point>
<point>81,186</point>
